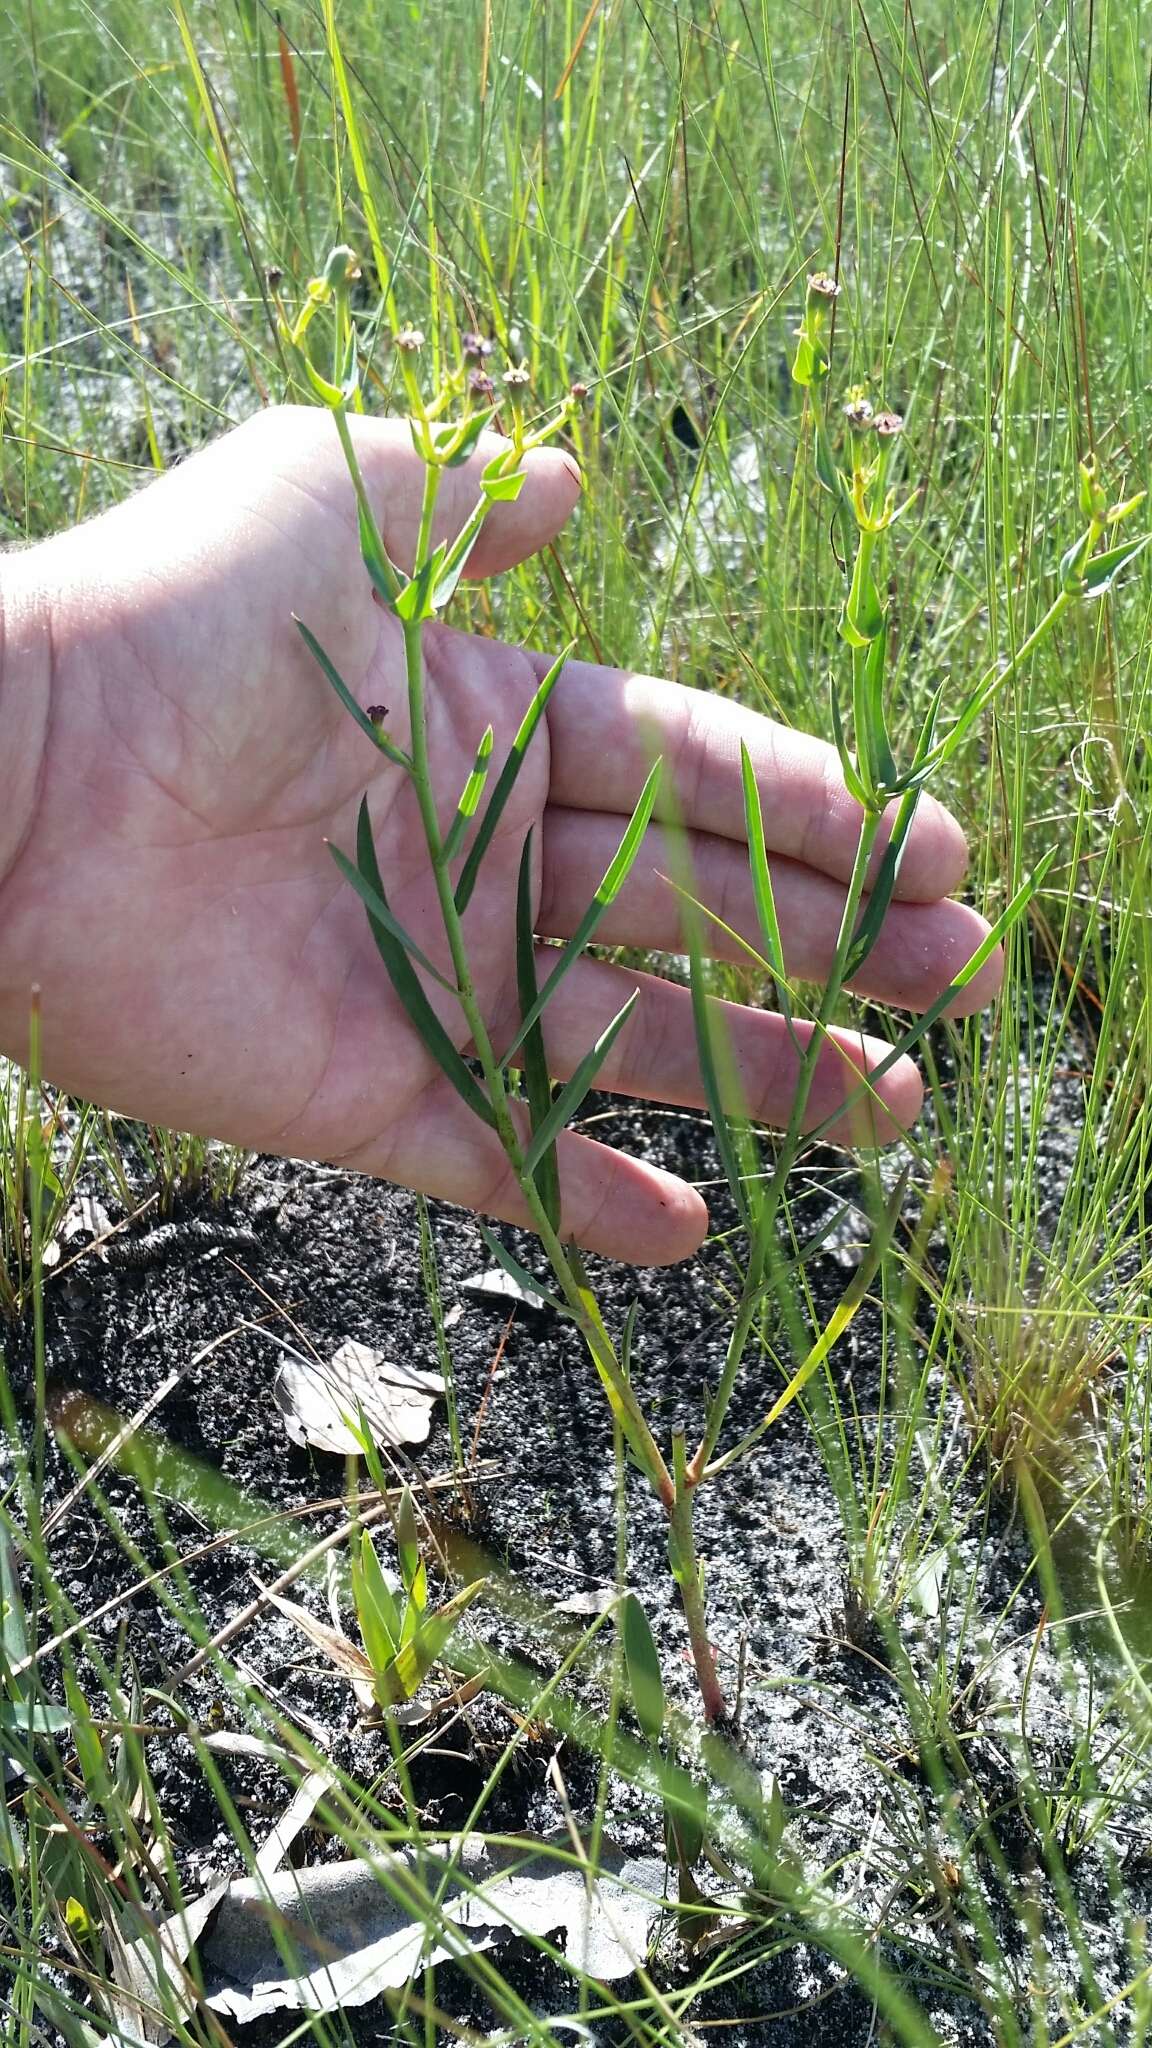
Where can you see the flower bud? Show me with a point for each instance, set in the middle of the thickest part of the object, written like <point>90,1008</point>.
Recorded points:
<point>341,269</point>
<point>1091,493</point>
<point>409,341</point>
<point>517,383</point>
<point>474,347</point>
<point>578,392</point>
<point>858,411</point>
<point>822,291</point>
<point>888,425</point>
<point>481,388</point>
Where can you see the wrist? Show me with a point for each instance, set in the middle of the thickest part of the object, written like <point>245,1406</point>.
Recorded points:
<point>26,642</point>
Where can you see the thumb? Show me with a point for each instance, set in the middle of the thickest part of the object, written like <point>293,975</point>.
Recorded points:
<point>394,476</point>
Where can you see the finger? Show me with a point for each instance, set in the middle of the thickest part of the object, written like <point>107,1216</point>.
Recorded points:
<point>655,1058</point>
<point>610,1203</point>
<point>608,727</point>
<point>394,475</point>
<point>921,948</point>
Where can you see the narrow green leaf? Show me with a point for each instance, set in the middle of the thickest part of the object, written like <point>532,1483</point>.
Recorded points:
<point>415,601</point>
<point>469,436</point>
<point>410,1667</point>
<point>502,490</point>
<point>376,1611</point>
<point>880,898</point>
<point>13,1629</point>
<point>619,868</point>
<point>1101,572</point>
<point>407,985</point>
<point>725,1123</point>
<point>537,1081</point>
<point>847,768</point>
<point>469,797</point>
<point>506,781</point>
<point>407,1539</point>
<point>572,1094</point>
<point>850,1301</point>
<point>378,738</point>
<point>880,755</point>
<point>374,902</point>
<point>643,1665</point>
<point>971,968</point>
<point>385,576</point>
<point>762,890</point>
<point>686,1813</point>
<point>519,1273</point>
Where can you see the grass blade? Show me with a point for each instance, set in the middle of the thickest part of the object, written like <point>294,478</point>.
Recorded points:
<point>537,1080</point>
<point>619,868</point>
<point>409,989</point>
<point>507,780</point>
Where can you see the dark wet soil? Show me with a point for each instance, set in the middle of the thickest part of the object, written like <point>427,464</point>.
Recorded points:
<point>318,1256</point>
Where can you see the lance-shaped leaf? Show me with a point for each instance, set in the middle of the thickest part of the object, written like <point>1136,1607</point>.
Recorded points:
<point>619,869</point>
<point>1101,572</point>
<point>409,989</point>
<point>506,781</point>
<point>470,796</point>
<point>382,570</point>
<point>416,601</point>
<point>403,1676</point>
<point>374,902</point>
<point>412,1569</point>
<point>572,1094</point>
<point>971,968</point>
<point>354,710</point>
<point>462,440</point>
<point>376,1609</point>
<point>879,901</point>
<point>852,780</point>
<point>525,1280</point>
<point>643,1664</point>
<point>537,1080</point>
<point>850,1301</point>
<point>763,893</point>
<point>874,662</point>
<point>728,1129</point>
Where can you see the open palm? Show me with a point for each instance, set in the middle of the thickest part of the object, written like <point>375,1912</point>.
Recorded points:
<point>202,963</point>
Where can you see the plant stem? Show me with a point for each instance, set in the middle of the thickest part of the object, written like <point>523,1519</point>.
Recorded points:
<point>690,1579</point>
<point>786,1158</point>
<point>576,1295</point>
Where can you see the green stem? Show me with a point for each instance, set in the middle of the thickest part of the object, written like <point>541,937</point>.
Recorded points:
<point>845,522</point>
<point>690,1579</point>
<point>577,1297</point>
<point>387,568</point>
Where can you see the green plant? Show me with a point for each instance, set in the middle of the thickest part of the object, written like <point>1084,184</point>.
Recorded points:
<point>446,429</point>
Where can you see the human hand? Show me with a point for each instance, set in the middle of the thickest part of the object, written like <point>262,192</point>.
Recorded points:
<point>179,763</point>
